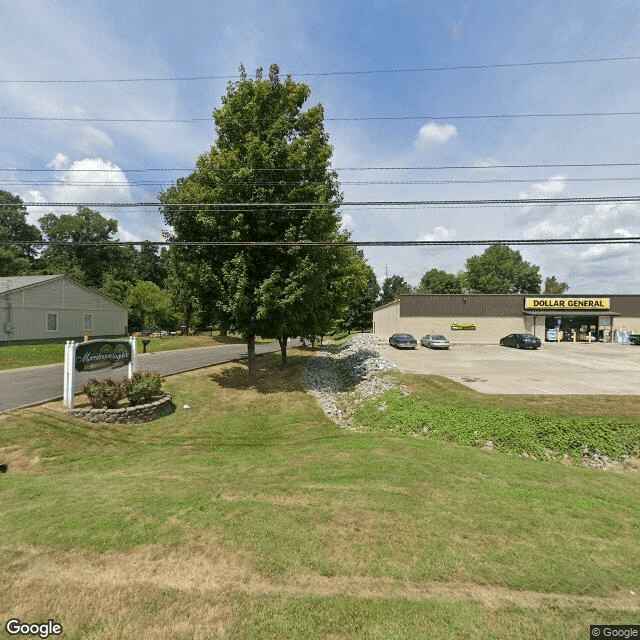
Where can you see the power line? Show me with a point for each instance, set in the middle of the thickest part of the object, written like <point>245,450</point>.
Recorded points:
<point>355,243</point>
<point>484,116</point>
<point>133,183</point>
<point>473,67</point>
<point>387,203</point>
<point>548,165</point>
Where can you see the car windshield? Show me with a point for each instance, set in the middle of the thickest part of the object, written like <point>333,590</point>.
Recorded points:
<point>437,337</point>
<point>404,336</point>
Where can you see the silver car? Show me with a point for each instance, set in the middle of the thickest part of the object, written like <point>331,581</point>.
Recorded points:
<point>434,341</point>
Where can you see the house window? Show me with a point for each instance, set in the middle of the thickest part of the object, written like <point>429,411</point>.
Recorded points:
<point>52,321</point>
<point>87,322</point>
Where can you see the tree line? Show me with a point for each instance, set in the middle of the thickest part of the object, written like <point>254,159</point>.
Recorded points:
<point>498,270</point>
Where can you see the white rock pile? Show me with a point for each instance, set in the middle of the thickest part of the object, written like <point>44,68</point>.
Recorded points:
<point>342,378</point>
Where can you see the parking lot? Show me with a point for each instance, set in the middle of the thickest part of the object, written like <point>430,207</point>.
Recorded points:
<point>555,368</point>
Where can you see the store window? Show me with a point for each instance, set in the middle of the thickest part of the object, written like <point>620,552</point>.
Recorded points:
<point>572,329</point>
<point>52,321</point>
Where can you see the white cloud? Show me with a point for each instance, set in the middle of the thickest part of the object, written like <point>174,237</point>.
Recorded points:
<point>550,187</point>
<point>433,134</point>
<point>86,180</point>
<point>348,222</point>
<point>439,233</point>
<point>91,139</point>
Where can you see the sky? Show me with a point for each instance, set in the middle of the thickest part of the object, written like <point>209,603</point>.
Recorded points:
<point>463,48</point>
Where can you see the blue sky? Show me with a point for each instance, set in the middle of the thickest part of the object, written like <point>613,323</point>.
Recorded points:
<point>69,39</point>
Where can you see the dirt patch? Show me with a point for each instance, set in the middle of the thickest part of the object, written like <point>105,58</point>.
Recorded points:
<point>203,567</point>
<point>20,461</point>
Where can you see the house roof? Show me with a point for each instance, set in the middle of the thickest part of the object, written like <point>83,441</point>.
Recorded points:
<point>12,283</point>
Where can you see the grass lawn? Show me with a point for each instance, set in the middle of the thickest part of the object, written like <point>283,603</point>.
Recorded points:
<point>31,355</point>
<point>251,515</point>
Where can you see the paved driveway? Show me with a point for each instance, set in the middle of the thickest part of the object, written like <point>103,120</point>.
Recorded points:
<point>555,368</point>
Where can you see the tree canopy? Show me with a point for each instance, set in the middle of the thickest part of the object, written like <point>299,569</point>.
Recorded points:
<point>86,264</point>
<point>439,281</point>
<point>268,150</point>
<point>552,285</point>
<point>18,259</point>
<point>501,269</point>
<point>392,287</point>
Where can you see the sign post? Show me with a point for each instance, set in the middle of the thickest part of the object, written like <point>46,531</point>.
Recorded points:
<point>95,355</point>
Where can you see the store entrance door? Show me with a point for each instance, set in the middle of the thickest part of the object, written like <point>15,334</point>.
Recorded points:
<point>571,328</point>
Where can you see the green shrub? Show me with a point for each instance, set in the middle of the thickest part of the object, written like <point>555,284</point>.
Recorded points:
<point>103,393</point>
<point>142,386</point>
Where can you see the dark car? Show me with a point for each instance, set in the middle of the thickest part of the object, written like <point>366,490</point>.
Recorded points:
<point>434,341</point>
<point>520,341</point>
<point>634,338</point>
<point>403,341</point>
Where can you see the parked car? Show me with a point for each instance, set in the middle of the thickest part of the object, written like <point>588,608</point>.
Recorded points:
<point>434,341</point>
<point>634,338</point>
<point>403,341</point>
<point>520,341</point>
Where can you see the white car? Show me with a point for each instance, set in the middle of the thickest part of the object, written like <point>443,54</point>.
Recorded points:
<point>434,341</point>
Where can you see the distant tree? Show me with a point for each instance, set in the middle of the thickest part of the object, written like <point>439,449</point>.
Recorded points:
<point>17,259</point>
<point>551,285</point>
<point>359,315</point>
<point>149,265</point>
<point>85,263</point>
<point>115,288</point>
<point>392,287</point>
<point>150,306</point>
<point>268,151</point>
<point>438,281</point>
<point>501,270</point>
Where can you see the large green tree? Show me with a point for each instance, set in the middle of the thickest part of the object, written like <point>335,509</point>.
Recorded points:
<point>439,281</point>
<point>16,259</point>
<point>500,269</point>
<point>85,263</point>
<point>269,151</point>
<point>392,287</point>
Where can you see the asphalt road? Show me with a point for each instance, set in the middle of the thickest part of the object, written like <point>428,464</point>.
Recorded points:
<point>34,385</point>
<point>562,368</point>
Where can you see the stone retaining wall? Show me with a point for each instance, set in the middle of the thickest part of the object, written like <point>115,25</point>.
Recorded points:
<point>158,407</point>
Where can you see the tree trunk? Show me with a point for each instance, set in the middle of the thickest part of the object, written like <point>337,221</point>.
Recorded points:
<point>251,360</point>
<point>223,329</point>
<point>283,352</point>
<point>187,319</point>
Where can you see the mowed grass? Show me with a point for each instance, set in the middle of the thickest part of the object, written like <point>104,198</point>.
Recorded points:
<point>251,515</point>
<point>31,355</point>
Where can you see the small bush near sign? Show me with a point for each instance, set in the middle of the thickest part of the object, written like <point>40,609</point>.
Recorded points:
<point>107,393</point>
<point>142,386</point>
<point>463,326</point>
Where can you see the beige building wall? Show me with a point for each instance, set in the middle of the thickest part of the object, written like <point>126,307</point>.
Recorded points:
<point>385,319</point>
<point>488,330</point>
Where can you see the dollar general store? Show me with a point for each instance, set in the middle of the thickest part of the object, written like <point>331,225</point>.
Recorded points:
<point>487,318</point>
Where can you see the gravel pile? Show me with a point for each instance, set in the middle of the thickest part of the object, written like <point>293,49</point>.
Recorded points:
<point>342,378</point>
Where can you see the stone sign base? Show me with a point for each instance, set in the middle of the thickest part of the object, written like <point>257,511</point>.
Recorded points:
<point>158,407</point>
